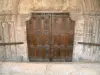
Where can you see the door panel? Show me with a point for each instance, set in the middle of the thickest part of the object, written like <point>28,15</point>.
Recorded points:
<point>50,36</point>
<point>62,32</point>
<point>38,36</point>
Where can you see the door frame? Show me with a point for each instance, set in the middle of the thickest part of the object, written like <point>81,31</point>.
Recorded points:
<point>53,12</point>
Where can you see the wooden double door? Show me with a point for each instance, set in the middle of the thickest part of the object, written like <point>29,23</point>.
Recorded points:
<point>50,37</point>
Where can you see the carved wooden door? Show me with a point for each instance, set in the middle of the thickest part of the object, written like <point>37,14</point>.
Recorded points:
<point>50,37</point>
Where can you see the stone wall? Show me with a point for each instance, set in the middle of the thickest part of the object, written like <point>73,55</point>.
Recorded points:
<point>87,30</point>
<point>14,14</point>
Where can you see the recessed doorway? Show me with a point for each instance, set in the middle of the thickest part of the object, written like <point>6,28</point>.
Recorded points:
<point>50,37</point>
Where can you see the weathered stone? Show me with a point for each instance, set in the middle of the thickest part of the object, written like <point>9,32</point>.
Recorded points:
<point>85,12</point>
<point>9,68</point>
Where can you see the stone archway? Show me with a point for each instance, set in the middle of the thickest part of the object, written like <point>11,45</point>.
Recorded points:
<point>45,6</point>
<point>81,11</point>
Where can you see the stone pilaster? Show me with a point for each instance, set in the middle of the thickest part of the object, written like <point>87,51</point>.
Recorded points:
<point>89,32</point>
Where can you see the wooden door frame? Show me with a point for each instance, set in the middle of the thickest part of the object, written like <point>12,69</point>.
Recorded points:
<point>55,13</point>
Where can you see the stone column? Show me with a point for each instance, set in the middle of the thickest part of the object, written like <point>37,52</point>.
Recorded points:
<point>21,36</point>
<point>91,35</point>
<point>87,30</point>
<point>78,35</point>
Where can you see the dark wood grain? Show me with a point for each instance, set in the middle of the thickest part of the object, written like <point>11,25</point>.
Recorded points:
<point>49,36</point>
